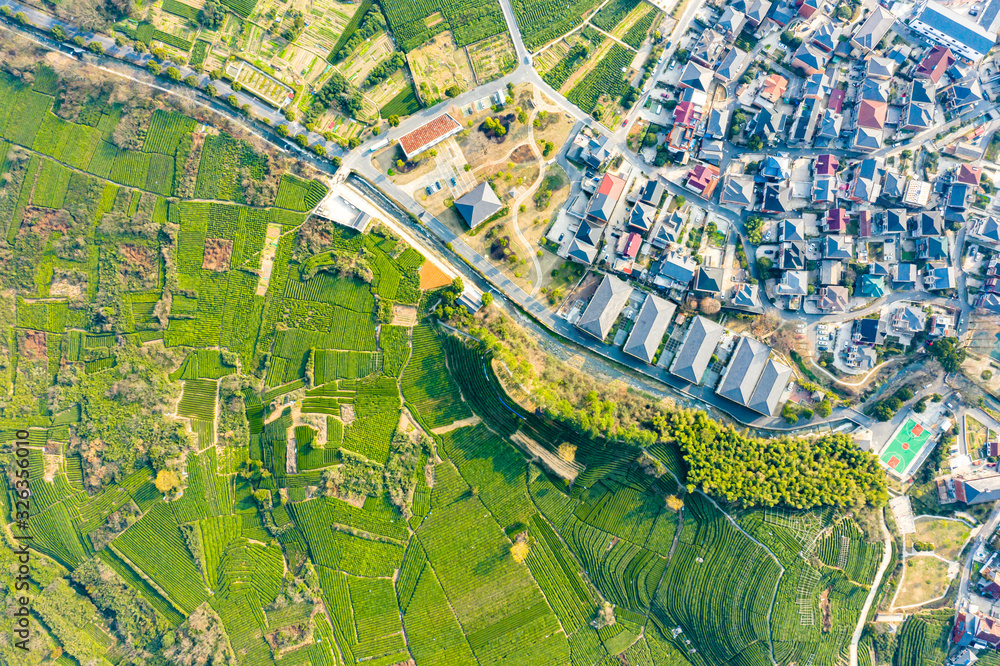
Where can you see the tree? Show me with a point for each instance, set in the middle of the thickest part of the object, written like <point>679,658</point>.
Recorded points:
<point>212,92</point>
<point>844,12</point>
<point>709,306</point>
<point>675,503</point>
<point>393,121</point>
<point>682,55</point>
<point>948,353</point>
<point>96,47</point>
<point>567,452</point>
<point>824,408</point>
<point>519,551</point>
<point>487,299</point>
<point>605,616</point>
<point>453,91</point>
<point>192,81</point>
<point>282,130</point>
<point>302,140</point>
<point>649,140</point>
<point>754,226</point>
<point>755,143</point>
<point>153,67</point>
<point>167,481</point>
<point>211,15</point>
<point>173,73</point>
<point>263,498</point>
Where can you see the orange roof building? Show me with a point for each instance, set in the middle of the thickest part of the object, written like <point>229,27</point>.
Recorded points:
<point>429,134</point>
<point>774,88</point>
<point>872,114</point>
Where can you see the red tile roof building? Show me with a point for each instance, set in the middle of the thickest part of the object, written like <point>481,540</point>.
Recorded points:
<point>836,101</point>
<point>836,221</point>
<point>429,134</point>
<point>968,175</point>
<point>872,115</point>
<point>702,179</point>
<point>935,64</point>
<point>774,88</point>
<point>827,165</point>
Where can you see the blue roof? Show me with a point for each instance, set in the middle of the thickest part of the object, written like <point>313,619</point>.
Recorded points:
<point>946,21</point>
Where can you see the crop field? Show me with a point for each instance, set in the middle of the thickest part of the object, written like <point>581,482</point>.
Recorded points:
<point>606,78</point>
<point>542,21</point>
<point>414,22</point>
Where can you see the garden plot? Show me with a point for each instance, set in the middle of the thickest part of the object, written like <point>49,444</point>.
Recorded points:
<point>355,68</point>
<point>492,58</point>
<point>260,84</point>
<point>438,65</point>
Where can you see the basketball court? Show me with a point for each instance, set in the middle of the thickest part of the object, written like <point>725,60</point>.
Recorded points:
<point>905,446</point>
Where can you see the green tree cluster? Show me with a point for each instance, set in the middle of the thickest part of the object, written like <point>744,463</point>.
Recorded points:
<point>756,471</point>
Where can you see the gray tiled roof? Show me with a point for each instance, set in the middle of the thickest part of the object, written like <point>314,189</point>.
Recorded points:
<point>770,386</point>
<point>695,353</point>
<point>650,326</point>
<point>604,308</point>
<point>478,204</point>
<point>745,368</point>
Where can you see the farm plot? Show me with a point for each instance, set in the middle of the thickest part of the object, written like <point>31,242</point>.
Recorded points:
<point>541,21</point>
<point>606,78</point>
<point>498,603</point>
<point>426,384</point>
<point>414,22</point>
<point>438,65</point>
<point>492,58</point>
<point>222,158</point>
<point>262,85</point>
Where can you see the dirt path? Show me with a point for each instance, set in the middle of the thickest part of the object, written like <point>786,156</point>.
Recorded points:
<point>886,558</point>
<point>537,283</point>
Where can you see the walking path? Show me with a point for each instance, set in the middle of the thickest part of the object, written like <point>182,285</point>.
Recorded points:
<point>863,617</point>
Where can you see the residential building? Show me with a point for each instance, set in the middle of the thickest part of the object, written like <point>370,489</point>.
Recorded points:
<point>826,37</point>
<point>652,192</point>
<point>609,300</point>
<point>828,127</point>
<point>777,199</point>
<point>641,218</point>
<point>830,271</point>
<point>893,185</point>
<point>879,68</point>
<point>776,168</point>
<point>927,223</point>
<point>793,283</point>
<point>918,114</point>
<point>986,230</point>
<point>872,31</point>
<point>702,180</point>
<point>731,23</point>
<point>871,286</point>
<point>696,351</point>
<point>908,320</point>
<point>745,367</point>
<point>746,297</point>
<point>904,274</point>
<point>732,65</point>
<point>650,326</point>
<point>738,192</point>
<point>708,281</point>
<point>976,491</point>
<point>835,221</point>
<point>604,200</point>
<point>696,77</point>
<point>869,332</point>
<point>709,47</point>
<point>597,151</point>
<point>832,299</point>
<point>932,248</point>
<point>933,66</point>
<point>918,193</point>
<point>939,276</point>
<point>810,59</point>
<point>867,183</point>
<point>676,270</point>
<point>773,89</point>
<point>792,256</point>
<point>429,135</point>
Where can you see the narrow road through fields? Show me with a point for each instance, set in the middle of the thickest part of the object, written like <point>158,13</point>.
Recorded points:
<point>886,558</point>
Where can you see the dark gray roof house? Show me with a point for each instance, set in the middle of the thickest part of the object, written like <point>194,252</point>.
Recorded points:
<point>731,23</point>
<point>589,233</point>
<point>837,247</point>
<point>642,217</point>
<point>746,297</point>
<point>773,380</point>
<point>696,351</point>
<point>827,36</point>
<point>987,230</point>
<point>928,223</point>
<point>737,191</point>
<point>792,256</point>
<point>708,281</point>
<point>652,192</point>
<point>582,252</point>
<point>829,126</point>
<point>479,204</point>
<point>696,77</point>
<point>978,490</point>
<point>873,29</point>
<point>731,65</point>
<point>904,274</point>
<point>744,369</point>
<point>650,326</point>
<point>602,311</point>
<point>718,121</point>
<point>833,299</point>
<point>894,185</point>
<point>677,268</point>
<point>894,221</point>
<point>792,230</point>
